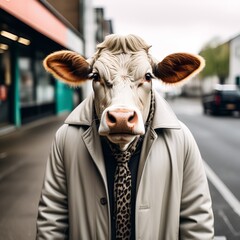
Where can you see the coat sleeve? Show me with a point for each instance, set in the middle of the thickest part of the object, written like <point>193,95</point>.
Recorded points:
<point>52,221</point>
<point>196,216</point>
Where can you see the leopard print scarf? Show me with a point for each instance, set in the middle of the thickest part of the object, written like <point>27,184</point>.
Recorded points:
<point>123,183</point>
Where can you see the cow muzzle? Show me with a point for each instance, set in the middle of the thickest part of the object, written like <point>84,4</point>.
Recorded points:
<point>121,124</point>
<point>121,121</point>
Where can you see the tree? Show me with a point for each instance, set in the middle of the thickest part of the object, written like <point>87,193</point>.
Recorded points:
<point>217,61</point>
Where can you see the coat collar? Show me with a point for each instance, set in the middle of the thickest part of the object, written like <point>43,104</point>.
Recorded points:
<point>82,114</point>
<point>164,117</point>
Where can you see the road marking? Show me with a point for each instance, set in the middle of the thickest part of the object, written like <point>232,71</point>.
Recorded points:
<point>228,223</point>
<point>223,189</point>
<point>220,238</point>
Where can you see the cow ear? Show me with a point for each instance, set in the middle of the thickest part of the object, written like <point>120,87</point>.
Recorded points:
<point>179,67</point>
<point>67,66</point>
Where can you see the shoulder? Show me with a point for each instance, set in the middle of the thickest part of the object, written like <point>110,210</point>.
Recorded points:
<point>181,141</point>
<point>181,134</point>
<point>188,138</point>
<point>67,133</point>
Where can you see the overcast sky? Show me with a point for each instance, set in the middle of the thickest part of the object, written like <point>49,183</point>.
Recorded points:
<point>174,25</point>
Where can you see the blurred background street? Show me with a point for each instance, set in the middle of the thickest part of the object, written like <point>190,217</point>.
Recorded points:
<point>33,105</point>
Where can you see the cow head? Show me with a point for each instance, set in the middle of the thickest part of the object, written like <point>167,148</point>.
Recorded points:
<point>121,72</point>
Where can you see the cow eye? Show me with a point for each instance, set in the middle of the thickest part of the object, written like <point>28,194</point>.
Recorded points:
<point>95,77</point>
<point>148,77</point>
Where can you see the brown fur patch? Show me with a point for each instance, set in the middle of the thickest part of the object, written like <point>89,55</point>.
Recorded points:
<point>177,67</point>
<point>67,66</point>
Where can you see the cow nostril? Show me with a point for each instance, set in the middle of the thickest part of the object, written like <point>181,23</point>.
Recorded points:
<point>132,117</point>
<point>111,118</point>
<point>121,120</point>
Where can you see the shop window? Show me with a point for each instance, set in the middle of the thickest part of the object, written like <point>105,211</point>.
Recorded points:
<point>45,87</point>
<point>237,51</point>
<point>26,82</point>
<point>5,85</point>
<point>3,94</point>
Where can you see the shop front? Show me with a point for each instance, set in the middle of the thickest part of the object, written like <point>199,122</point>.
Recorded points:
<point>27,91</point>
<point>5,84</point>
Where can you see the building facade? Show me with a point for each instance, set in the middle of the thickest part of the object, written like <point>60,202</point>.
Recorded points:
<point>234,61</point>
<point>29,30</point>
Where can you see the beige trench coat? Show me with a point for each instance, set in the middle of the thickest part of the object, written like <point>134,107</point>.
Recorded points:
<point>173,200</point>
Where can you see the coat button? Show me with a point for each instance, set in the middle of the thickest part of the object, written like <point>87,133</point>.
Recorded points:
<point>103,201</point>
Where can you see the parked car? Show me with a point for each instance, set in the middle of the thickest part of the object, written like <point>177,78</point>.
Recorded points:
<point>224,99</point>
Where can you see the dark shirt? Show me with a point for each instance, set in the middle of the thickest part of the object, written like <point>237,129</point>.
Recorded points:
<point>111,165</point>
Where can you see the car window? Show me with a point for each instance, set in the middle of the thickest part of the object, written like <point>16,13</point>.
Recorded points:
<point>231,93</point>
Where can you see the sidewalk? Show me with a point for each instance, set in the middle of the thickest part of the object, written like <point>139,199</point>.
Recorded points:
<point>23,155</point>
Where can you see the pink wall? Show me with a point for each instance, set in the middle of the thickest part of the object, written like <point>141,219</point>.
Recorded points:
<point>34,14</point>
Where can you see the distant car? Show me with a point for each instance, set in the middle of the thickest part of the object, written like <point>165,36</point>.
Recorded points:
<point>224,99</point>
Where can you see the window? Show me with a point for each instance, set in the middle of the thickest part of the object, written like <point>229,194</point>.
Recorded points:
<point>237,51</point>
<point>26,82</point>
<point>45,84</point>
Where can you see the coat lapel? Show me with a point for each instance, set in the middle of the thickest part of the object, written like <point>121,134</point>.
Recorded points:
<point>83,116</point>
<point>149,139</point>
<point>164,118</point>
<point>93,144</point>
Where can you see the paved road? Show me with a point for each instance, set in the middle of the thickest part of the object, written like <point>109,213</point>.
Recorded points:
<point>219,141</point>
